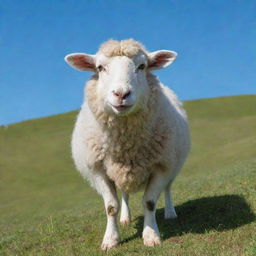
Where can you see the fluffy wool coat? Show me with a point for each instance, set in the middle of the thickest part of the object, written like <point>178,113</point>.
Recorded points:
<point>129,148</point>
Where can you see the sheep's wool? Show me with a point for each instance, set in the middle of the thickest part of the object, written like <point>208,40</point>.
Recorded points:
<point>127,48</point>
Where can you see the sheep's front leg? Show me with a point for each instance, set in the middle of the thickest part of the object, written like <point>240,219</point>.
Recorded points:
<point>154,187</point>
<point>125,217</point>
<point>107,190</point>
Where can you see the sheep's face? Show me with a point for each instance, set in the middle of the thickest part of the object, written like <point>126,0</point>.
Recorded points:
<point>122,86</point>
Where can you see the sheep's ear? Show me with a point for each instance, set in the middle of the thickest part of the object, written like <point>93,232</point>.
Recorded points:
<point>161,59</point>
<point>81,61</point>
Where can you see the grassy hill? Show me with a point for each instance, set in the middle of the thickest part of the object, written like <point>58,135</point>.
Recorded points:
<point>47,209</point>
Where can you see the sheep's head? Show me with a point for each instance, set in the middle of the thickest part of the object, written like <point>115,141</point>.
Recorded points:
<point>122,68</point>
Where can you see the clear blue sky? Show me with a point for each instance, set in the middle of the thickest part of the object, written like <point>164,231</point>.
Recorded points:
<point>216,42</point>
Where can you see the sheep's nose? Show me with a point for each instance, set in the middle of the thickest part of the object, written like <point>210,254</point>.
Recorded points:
<point>121,95</point>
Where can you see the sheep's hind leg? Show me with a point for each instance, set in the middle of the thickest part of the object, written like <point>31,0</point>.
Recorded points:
<point>155,186</point>
<point>107,190</point>
<point>125,217</point>
<point>169,210</point>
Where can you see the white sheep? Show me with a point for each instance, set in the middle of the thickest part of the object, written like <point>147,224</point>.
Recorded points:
<point>131,132</point>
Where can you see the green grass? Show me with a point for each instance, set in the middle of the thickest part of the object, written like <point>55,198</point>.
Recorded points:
<point>47,209</point>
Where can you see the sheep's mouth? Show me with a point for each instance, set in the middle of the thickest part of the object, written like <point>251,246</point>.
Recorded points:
<point>121,108</point>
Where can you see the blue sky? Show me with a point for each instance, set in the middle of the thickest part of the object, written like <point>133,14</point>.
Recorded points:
<point>215,40</point>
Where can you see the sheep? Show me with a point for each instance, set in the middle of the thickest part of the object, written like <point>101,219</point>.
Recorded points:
<point>131,133</point>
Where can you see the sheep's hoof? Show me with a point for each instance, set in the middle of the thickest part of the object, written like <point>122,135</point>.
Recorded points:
<point>125,222</point>
<point>109,244</point>
<point>151,239</point>
<point>170,214</point>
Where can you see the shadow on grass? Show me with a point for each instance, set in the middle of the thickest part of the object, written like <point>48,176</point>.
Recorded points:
<point>201,215</point>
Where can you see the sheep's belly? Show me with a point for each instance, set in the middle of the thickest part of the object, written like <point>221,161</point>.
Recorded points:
<point>128,178</point>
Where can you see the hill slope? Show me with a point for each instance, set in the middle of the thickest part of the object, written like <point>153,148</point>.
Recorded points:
<point>47,209</point>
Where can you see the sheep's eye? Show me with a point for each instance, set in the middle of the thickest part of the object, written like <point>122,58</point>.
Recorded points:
<point>100,68</point>
<point>141,67</point>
